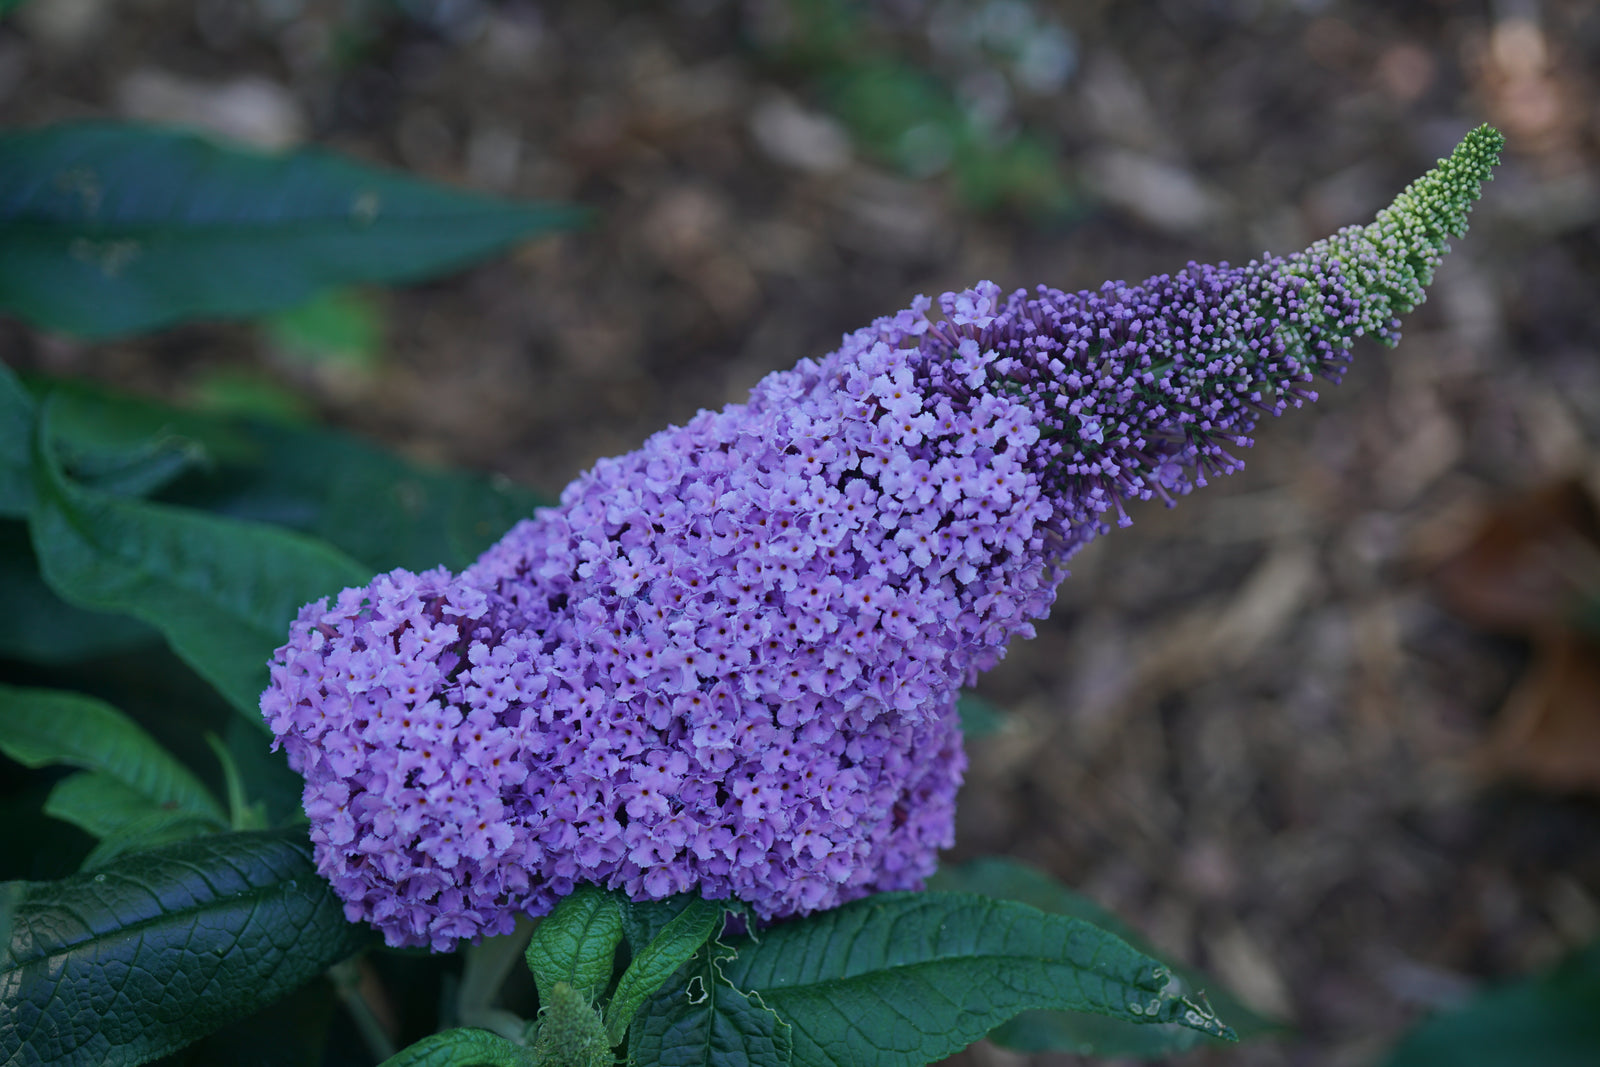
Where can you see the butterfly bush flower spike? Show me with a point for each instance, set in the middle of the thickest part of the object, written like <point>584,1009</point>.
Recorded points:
<point>728,662</point>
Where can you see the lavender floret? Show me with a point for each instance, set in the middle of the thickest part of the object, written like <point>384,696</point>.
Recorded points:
<point>728,661</point>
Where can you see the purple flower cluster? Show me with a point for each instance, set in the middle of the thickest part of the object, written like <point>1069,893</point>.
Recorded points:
<point>728,661</point>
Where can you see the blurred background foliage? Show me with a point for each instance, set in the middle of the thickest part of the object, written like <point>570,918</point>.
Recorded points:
<point>1329,731</point>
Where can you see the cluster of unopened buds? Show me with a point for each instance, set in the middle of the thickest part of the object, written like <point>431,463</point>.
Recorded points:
<point>728,661</point>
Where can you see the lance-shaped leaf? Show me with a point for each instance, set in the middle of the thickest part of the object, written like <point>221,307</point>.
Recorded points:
<point>222,592</point>
<point>377,507</point>
<point>462,1047</point>
<point>126,964</point>
<point>1550,1019</point>
<point>105,806</point>
<point>576,943</point>
<point>1081,1032</point>
<point>38,626</point>
<point>902,979</point>
<point>133,774</point>
<point>669,949</point>
<point>123,819</point>
<point>699,1019</point>
<point>113,228</point>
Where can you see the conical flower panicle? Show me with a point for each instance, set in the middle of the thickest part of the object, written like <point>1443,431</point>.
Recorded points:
<point>728,661</point>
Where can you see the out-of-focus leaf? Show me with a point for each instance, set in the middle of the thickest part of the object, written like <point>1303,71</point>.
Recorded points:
<point>151,831</point>
<point>1551,1020</point>
<point>127,963</point>
<point>38,626</point>
<point>248,393</point>
<point>134,794</point>
<point>222,592</point>
<point>906,116</point>
<point>375,506</point>
<point>1080,1032</point>
<point>108,807</point>
<point>369,503</point>
<point>41,727</point>
<point>268,782</point>
<point>114,228</point>
<point>138,471</point>
<point>242,813</point>
<point>979,717</point>
<point>16,435</point>
<point>105,457</point>
<point>339,326</point>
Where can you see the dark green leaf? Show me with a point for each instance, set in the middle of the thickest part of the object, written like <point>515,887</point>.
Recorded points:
<point>644,920</point>
<point>672,946</point>
<point>127,963</point>
<point>576,943</point>
<point>223,592</point>
<point>152,831</point>
<point>106,807</point>
<point>375,506</point>
<point>462,1048</point>
<point>247,392</point>
<point>1551,1020</point>
<point>40,627</point>
<point>11,894</point>
<point>139,471</point>
<point>370,504</point>
<point>41,727</point>
<point>111,228</point>
<point>903,979</point>
<point>16,433</point>
<point>100,450</point>
<point>1086,1034</point>
<point>242,814</point>
<point>699,1019</point>
<point>269,784</point>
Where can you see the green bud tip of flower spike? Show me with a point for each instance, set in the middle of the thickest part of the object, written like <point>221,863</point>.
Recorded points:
<point>1391,260</point>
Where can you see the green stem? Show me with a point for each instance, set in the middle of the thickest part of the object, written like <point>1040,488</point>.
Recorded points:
<point>346,978</point>
<point>240,813</point>
<point>487,965</point>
